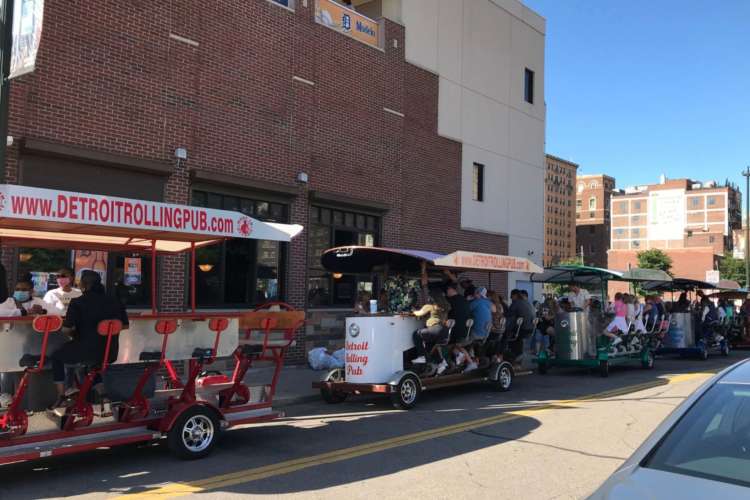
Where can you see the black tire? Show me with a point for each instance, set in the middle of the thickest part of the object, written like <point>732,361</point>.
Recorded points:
<point>194,434</point>
<point>604,368</point>
<point>503,376</point>
<point>407,392</point>
<point>331,396</point>
<point>648,361</point>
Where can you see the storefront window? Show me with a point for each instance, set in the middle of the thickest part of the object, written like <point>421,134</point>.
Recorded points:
<point>334,228</point>
<point>239,272</point>
<point>126,275</point>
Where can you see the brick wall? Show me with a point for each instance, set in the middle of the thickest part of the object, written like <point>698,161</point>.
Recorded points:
<point>114,80</point>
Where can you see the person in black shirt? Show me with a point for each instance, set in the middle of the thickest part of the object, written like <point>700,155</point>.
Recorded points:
<point>459,312</point>
<point>83,317</point>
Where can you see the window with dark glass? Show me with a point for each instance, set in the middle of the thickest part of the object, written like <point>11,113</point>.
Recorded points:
<point>528,86</point>
<point>477,184</point>
<point>331,228</point>
<point>240,272</point>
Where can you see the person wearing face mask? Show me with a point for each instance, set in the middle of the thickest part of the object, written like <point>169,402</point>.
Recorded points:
<point>22,302</point>
<point>57,299</point>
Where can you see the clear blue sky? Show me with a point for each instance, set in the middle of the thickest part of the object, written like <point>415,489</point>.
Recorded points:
<point>635,88</point>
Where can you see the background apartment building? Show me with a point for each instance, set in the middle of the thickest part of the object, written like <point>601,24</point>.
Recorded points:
<point>593,193</point>
<point>420,126</point>
<point>692,222</point>
<point>559,211</point>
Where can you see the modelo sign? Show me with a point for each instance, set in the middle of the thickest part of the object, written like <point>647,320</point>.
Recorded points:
<point>347,21</point>
<point>22,202</point>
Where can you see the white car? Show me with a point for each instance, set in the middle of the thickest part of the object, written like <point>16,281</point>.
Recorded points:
<point>701,451</point>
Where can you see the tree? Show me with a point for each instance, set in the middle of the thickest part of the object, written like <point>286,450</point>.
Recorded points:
<point>655,259</point>
<point>732,269</point>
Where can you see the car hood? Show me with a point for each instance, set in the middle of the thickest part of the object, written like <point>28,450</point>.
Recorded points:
<point>651,484</point>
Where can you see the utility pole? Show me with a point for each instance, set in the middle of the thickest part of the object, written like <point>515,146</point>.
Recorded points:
<point>6,43</point>
<point>746,174</point>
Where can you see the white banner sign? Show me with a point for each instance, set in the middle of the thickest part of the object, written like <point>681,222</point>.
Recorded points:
<point>666,215</point>
<point>27,33</point>
<point>22,202</point>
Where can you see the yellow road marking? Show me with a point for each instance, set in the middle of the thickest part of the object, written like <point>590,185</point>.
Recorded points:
<point>248,475</point>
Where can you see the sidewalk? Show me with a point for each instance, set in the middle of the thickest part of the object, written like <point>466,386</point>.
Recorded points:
<point>295,383</point>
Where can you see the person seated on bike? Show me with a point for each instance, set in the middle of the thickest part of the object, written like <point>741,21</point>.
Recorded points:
<point>545,332</point>
<point>709,320</point>
<point>519,308</point>
<point>59,298</point>
<point>82,319</point>
<point>21,303</point>
<point>434,330</point>
<point>619,324</point>
<point>499,310</point>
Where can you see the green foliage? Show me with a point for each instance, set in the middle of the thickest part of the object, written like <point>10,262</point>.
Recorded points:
<point>655,259</point>
<point>732,269</point>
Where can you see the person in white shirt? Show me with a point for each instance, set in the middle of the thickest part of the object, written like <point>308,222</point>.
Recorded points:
<point>21,303</point>
<point>57,299</point>
<point>579,298</point>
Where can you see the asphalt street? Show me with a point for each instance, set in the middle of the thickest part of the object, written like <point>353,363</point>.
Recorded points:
<point>553,436</point>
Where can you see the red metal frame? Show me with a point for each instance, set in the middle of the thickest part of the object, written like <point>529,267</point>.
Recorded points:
<point>80,414</point>
<point>15,422</point>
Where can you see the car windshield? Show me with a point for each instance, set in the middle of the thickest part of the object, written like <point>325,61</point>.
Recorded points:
<point>712,440</point>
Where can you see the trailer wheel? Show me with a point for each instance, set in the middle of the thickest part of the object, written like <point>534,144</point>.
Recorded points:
<point>604,368</point>
<point>502,378</point>
<point>648,360</point>
<point>331,396</point>
<point>194,434</point>
<point>407,392</point>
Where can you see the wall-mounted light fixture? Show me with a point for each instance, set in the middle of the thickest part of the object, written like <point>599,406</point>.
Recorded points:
<point>205,267</point>
<point>337,276</point>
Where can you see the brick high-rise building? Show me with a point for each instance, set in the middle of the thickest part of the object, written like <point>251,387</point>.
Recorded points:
<point>593,193</point>
<point>692,222</point>
<point>559,211</point>
<point>433,140</point>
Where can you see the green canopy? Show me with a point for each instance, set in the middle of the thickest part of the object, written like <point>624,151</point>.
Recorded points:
<point>583,275</point>
<point>641,274</point>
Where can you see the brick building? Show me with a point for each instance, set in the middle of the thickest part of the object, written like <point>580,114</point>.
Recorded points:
<point>691,221</point>
<point>258,93</point>
<point>559,218</point>
<point>593,193</point>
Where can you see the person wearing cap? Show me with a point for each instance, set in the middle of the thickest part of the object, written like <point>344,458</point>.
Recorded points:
<point>82,320</point>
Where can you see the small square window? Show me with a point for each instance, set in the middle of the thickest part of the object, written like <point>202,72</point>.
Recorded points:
<point>712,200</point>
<point>528,86</point>
<point>695,201</point>
<point>636,205</point>
<point>711,239</point>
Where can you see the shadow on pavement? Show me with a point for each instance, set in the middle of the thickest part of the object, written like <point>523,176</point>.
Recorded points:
<point>317,429</point>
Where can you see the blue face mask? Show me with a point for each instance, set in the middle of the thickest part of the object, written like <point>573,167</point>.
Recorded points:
<point>21,296</point>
